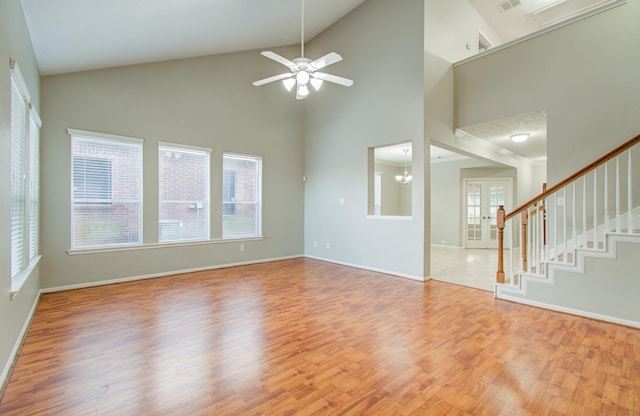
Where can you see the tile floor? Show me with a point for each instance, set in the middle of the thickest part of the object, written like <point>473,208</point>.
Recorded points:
<point>468,267</point>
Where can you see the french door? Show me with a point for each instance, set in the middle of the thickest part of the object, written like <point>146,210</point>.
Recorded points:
<point>482,197</point>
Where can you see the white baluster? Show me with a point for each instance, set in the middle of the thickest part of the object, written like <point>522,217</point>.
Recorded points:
<point>534,240</point>
<point>555,227</point>
<point>618,208</point>
<point>509,234</point>
<point>606,199</point>
<point>564,225</point>
<point>595,209</point>
<point>541,258</point>
<point>630,224</point>
<point>584,211</point>
<point>574,212</point>
<point>530,239</point>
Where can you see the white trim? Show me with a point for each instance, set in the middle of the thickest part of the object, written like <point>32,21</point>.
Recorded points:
<point>34,115</point>
<point>542,32</point>
<point>169,273</point>
<point>19,79</point>
<point>186,147</point>
<point>22,276</point>
<point>72,252</point>
<point>571,311</point>
<point>371,269</point>
<point>391,217</point>
<point>89,135</point>
<point>242,156</point>
<point>485,38</point>
<point>6,371</point>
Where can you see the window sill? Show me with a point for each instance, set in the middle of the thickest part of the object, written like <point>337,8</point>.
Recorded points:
<point>161,245</point>
<point>19,279</point>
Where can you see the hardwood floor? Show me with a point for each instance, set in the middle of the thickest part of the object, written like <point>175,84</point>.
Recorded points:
<point>306,337</point>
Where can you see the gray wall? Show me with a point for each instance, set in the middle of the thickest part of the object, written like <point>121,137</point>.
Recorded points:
<point>382,45</point>
<point>598,290</point>
<point>207,102</point>
<point>14,44</point>
<point>586,76</point>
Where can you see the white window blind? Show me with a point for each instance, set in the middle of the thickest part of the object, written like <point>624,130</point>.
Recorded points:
<point>183,193</point>
<point>19,112</point>
<point>106,190</point>
<point>34,183</point>
<point>241,196</point>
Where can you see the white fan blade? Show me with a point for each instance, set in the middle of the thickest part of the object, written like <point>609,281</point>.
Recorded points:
<point>328,59</point>
<point>272,79</point>
<point>280,59</point>
<point>332,78</point>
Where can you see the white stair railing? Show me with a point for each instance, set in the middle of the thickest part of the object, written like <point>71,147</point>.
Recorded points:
<point>577,213</point>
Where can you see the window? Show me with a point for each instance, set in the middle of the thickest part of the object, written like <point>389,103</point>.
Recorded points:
<point>25,200</point>
<point>106,190</point>
<point>183,193</point>
<point>241,196</point>
<point>34,184</point>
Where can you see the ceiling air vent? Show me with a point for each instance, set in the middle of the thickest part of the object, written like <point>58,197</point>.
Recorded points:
<point>507,5</point>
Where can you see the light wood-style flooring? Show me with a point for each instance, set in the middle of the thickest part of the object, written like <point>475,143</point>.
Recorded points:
<point>304,337</point>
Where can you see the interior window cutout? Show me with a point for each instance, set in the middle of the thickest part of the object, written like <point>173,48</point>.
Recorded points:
<point>389,180</point>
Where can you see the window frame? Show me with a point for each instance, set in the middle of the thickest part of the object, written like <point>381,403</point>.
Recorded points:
<point>24,243</point>
<point>182,148</point>
<point>106,138</point>
<point>258,196</point>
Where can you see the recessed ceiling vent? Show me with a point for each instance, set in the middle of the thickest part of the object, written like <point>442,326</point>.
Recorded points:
<point>508,5</point>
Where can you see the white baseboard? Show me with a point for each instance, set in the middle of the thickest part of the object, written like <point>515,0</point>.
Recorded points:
<point>154,275</point>
<point>571,311</point>
<point>6,371</point>
<point>371,269</point>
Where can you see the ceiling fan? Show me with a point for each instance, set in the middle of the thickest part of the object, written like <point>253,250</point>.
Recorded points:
<point>304,71</point>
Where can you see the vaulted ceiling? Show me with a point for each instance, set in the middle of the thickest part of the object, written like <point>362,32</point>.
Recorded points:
<point>75,35</point>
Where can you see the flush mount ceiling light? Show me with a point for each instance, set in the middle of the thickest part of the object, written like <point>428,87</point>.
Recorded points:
<point>520,137</point>
<point>304,71</point>
<point>405,178</point>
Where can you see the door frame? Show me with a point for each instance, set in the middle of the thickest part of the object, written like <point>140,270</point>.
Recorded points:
<point>508,201</point>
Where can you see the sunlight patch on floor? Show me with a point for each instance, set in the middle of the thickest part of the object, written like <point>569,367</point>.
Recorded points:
<point>468,267</point>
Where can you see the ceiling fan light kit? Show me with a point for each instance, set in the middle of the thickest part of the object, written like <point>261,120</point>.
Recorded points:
<point>304,71</point>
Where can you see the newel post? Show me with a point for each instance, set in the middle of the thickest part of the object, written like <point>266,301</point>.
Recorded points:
<point>500,224</point>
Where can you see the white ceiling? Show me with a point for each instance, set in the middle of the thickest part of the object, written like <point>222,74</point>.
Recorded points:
<point>394,154</point>
<point>497,133</point>
<point>76,35</point>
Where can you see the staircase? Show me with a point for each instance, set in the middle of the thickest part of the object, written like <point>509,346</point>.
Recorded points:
<point>560,233</point>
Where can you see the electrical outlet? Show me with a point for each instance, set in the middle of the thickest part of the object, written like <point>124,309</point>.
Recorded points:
<point>315,244</point>
<point>560,201</point>
<point>328,245</point>
<point>241,247</point>
<point>341,201</point>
